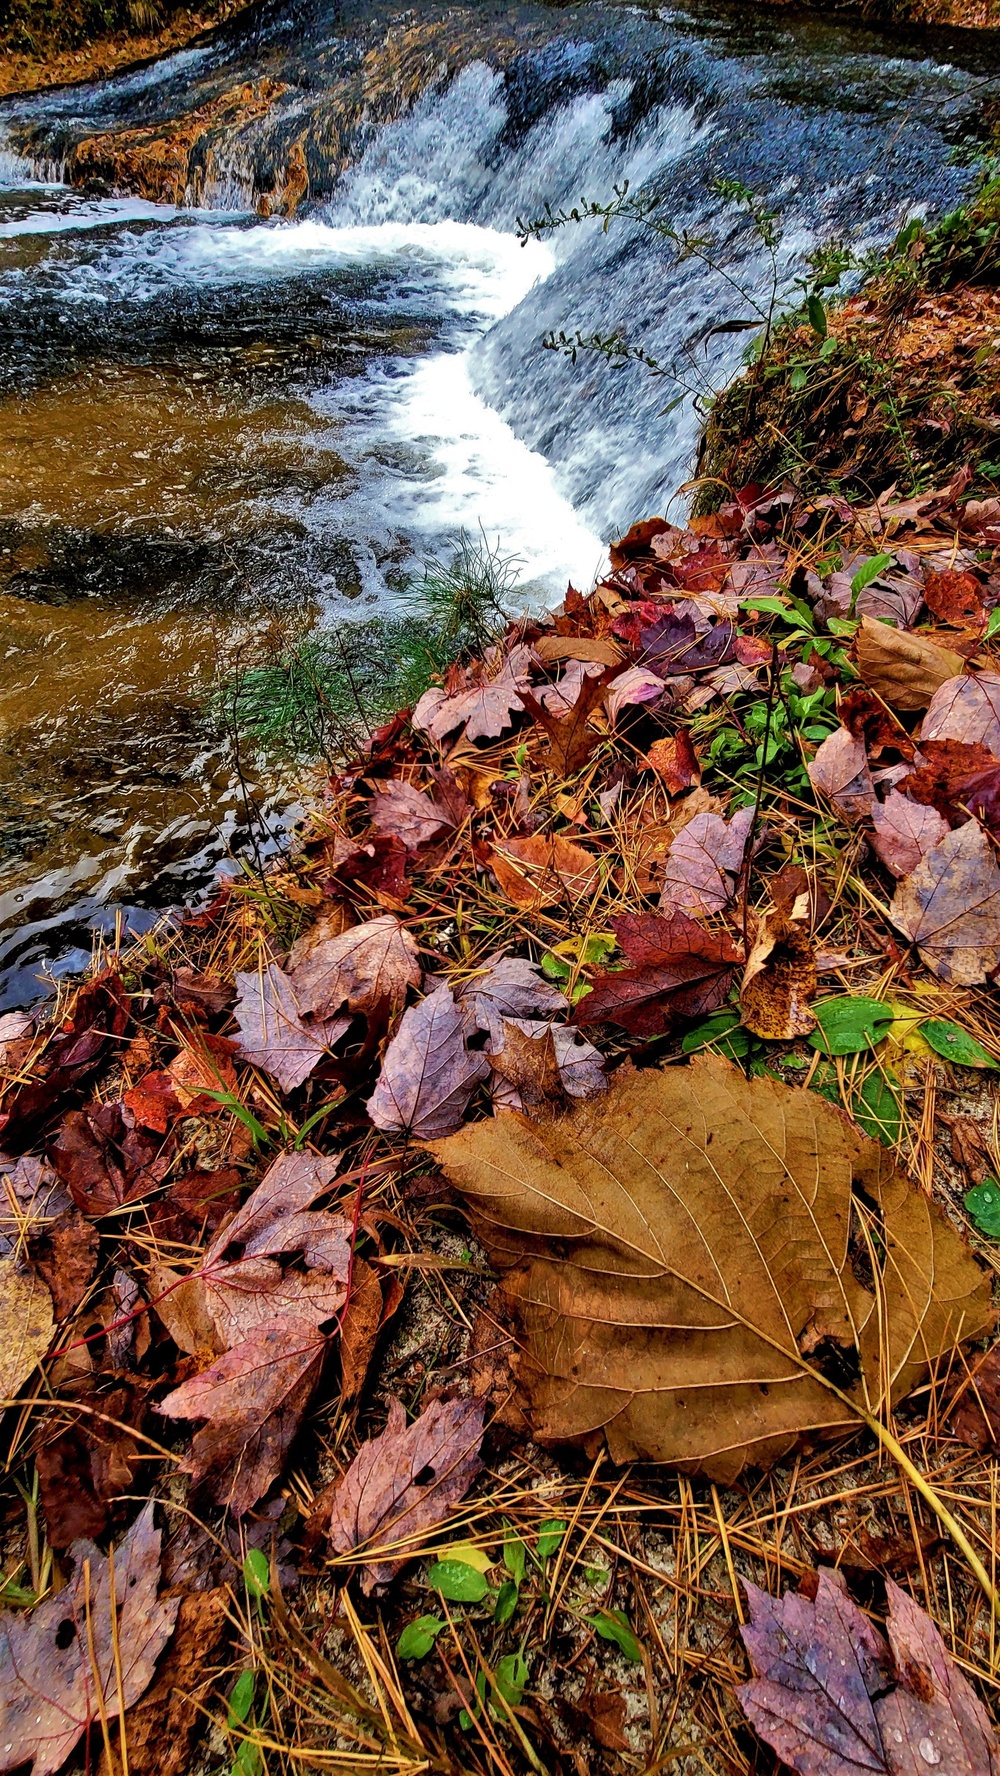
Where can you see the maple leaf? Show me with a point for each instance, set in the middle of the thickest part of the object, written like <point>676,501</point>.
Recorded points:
<point>509,987</point>
<point>254,1397</point>
<point>428,1074</point>
<point>780,976</point>
<point>672,644</point>
<point>570,740</point>
<point>905,831</point>
<point>703,861</point>
<point>536,1063</point>
<point>484,711</point>
<point>273,1034</point>
<point>403,1482</point>
<point>675,1244</point>
<point>26,1324</point>
<point>103,1162</point>
<point>905,670</point>
<point>966,708</point>
<point>204,1065</point>
<point>833,1699</point>
<point>679,970</point>
<point>367,968</point>
<point>409,813</point>
<point>949,772</point>
<point>840,772</point>
<point>89,1651</point>
<point>950,907</point>
<point>544,870</point>
<point>74,1050</point>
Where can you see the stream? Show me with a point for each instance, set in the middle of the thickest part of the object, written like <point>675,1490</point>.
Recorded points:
<point>255,397</point>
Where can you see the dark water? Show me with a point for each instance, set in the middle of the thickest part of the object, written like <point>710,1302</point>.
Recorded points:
<point>223,426</point>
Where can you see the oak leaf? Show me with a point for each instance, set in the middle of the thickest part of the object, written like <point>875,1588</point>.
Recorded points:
<point>570,738</point>
<point>832,1699</point>
<point>840,772</point>
<point>543,871</point>
<point>366,968</point>
<point>779,980</point>
<point>905,832</point>
<point>60,1664</point>
<point>273,1033</point>
<point>949,906</point>
<point>966,708</point>
<point>428,1074</point>
<point>674,1251</point>
<point>704,860</point>
<point>678,970</point>
<point>405,1481</point>
<point>904,669</point>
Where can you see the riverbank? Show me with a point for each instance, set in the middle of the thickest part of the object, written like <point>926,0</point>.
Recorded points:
<point>44,46</point>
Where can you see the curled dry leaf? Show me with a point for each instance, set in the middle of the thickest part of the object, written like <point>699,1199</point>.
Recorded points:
<point>950,907</point>
<point>779,980</point>
<point>429,1074</point>
<point>675,1251</point>
<point>704,860</point>
<point>60,1664</point>
<point>966,708</point>
<point>678,970</point>
<point>403,1482</point>
<point>905,832</point>
<point>904,669</point>
<point>637,684</point>
<point>543,871</point>
<point>273,1033</point>
<point>675,762</point>
<point>509,987</point>
<point>367,968</point>
<point>840,772</point>
<point>832,1700</point>
<point>535,1063</point>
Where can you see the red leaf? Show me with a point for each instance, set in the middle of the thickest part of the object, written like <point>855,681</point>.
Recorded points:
<point>675,762</point>
<point>956,597</point>
<point>679,970</point>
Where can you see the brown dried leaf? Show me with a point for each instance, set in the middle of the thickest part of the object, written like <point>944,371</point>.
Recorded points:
<point>904,669</point>
<point>672,1249</point>
<point>570,740</point>
<point>956,597</point>
<point>966,708</point>
<point>58,1664</point>
<point>429,1074</point>
<point>950,907</point>
<point>678,970</point>
<point>273,1035</point>
<point>360,1323</point>
<point>64,1253</point>
<point>381,1500</point>
<point>675,762</point>
<point>367,968</point>
<point>703,862</point>
<point>162,1728</point>
<point>974,1416</point>
<point>905,832</point>
<point>484,711</point>
<point>840,772</point>
<point>780,976</point>
<point>254,1397</point>
<point>406,811</point>
<point>509,987</point>
<point>543,871</point>
<point>525,1070</point>
<point>26,1326</point>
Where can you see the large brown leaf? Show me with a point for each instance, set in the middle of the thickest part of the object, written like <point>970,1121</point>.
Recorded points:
<point>544,870</point>
<point>904,669</point>
<point>840,771</point>
<point>366,968</point>
<point>950,907</point>
<point>675,1250</point>
<point>905,831</point>
<point>58,1665</point>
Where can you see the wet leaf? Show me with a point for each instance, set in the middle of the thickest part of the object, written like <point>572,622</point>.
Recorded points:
<point>955,1044</point>
<point>950,907</point>
<point>966,708</point>
<point>402,809</point>
<point>956,597</point>
<point>840,772</point>
<point>273,1034</point>
<point>703,862</point>
<point>613,1625</point>
<point>571,739</point>
<point>58,1665</point>
<point>428,1074</point>
<point>904,669</point>
<point>387,1497</point>
<point>983,1204</point>
<point>649,1308</point>
<point>64,1253</point>
<point>675,762</point>
<point>974,1416</point>
<point>905,832</point>
<point>26,1325</point>
<point>679,970</point>
<point>544,871</point>
<point>550,1536</point>
<point>509,987</point>
<point>417,1638</point>
<point>163,1728</point>
<point>367,969</point>
<point>457,1582</point>
<point>850,1025</point>
<point>506,1603</point>
<point>484,711</point>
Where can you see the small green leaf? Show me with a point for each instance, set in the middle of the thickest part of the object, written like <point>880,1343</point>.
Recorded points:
<point>257,1573</point>
<point>877,1109</point>
<point>511,1675</point>
<point>869,572</point>
<point>596,1575</point>
<point>774,607</point>
<point>721,1031</point>
<point>983,1204</point>
<point>614,1625</point>
<point>506,1602</point>
<point>555,967</point>
<point>247,1759</point>
<point>993,625</point>
<point>417,1638</point>
<point>817,316</point>
<point>458,1582</point>
<point>550,1535</point>
<point>799,378</point>
<point>515,1558</point>
<point>849,1025</point>
<point>955,1044</point>
<point>465,1720</point>
<point>241,1698</point>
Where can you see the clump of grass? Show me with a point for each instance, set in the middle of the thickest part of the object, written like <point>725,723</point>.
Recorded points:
<point>321,695</point>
